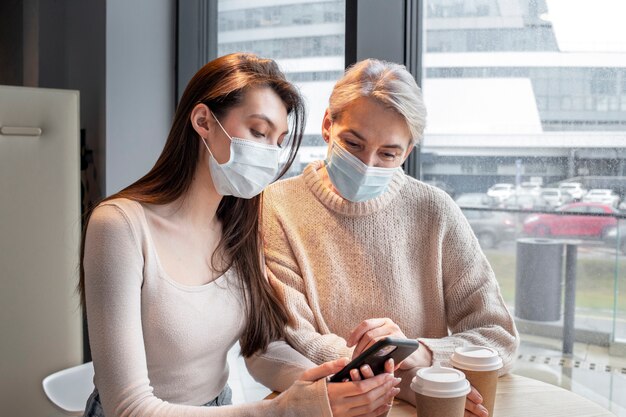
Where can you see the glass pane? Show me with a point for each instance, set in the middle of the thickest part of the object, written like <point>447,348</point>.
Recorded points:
<point>306,38</point>
<point>526,104</point>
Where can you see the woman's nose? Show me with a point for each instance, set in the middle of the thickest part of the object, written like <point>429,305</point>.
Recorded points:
<point>368,158</point>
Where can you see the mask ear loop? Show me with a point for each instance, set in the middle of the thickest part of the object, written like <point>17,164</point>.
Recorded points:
<point>222,127</point>
<point>207,147</point>
<point>223,130</point>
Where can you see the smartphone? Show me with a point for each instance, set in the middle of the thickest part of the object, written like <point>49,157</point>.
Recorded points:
<point>376,356</point>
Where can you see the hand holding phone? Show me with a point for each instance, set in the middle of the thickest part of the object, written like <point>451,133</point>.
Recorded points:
<point>376,356</point>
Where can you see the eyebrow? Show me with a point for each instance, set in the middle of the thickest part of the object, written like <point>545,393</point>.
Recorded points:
<point>355,133</point>
<point>267,119</point>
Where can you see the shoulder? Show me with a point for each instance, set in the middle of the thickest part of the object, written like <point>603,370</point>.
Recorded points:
<point>425,196</point>
<point>116,210</point>
<point>285,187</point>
<point>284,193</point>
<point>429,207</point>
<point>283,203</point>
<point>119,218</point>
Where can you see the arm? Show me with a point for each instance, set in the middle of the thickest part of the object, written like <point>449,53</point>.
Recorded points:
<point>475,311</point>
<point>293,290</point>
<point>278,367</point>
<point>113,278</point>
<point>302,331</point>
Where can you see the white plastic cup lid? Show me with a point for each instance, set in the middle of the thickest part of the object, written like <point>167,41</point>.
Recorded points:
<point>440,382</point>
<point>476,358</point>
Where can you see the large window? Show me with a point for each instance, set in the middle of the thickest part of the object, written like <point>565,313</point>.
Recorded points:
<point>282,15</point>
<point>526,129</point>
<point>527,123</point>
<point>306,38</point>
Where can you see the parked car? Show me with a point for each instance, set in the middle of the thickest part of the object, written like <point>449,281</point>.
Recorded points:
<point>475,200</point>
<point>569,220</point>
<point>611,237</point>
<point>529,188</point>
<point>501,191</point>
<point>575,189</point>
<point>525,202</point>
<point>491,227</point>
<point>554,197</point>
<point>602,196</point>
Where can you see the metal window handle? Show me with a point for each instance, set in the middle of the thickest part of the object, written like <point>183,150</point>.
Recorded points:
<point>20,131</point>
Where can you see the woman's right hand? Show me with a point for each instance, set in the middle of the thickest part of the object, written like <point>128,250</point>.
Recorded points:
<point>369,397</point>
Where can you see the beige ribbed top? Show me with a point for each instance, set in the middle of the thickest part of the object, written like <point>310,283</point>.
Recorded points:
<point>408,254</point>
<point>159,347</point>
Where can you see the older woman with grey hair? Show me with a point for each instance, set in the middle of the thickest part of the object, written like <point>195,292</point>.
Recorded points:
<point>358,251</point>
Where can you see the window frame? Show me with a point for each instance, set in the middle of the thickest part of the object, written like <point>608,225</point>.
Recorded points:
<point>403,21</point>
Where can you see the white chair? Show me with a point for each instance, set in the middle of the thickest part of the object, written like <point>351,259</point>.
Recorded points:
<point>70,388</point>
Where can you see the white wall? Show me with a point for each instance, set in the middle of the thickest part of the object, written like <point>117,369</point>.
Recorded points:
<point>140,61</point>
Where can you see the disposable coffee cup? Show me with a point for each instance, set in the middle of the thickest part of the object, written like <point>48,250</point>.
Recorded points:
<point>440,392</point>
<point>480,365</point>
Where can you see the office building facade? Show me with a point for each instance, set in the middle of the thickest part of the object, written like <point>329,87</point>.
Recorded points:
<point>509,99</point>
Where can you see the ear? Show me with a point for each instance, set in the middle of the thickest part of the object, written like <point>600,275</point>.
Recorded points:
<point>326,123</point>
<point>201,119</point>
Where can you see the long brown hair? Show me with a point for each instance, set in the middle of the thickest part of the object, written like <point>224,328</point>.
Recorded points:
<point>221,85</point>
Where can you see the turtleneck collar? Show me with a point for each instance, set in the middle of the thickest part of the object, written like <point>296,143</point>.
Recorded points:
<point>335,202</point>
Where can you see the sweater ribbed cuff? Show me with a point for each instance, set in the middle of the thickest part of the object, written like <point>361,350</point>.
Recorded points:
<point>302,399</point>
<point>441,349</point>
<point>320,349</point>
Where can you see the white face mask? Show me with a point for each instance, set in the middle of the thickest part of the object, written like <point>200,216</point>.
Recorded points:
<point>252,167</point>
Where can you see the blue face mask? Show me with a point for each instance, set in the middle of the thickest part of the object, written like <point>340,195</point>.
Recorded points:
<point>354,180</point>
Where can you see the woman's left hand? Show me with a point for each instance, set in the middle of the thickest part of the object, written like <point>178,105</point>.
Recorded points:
<point>474,405</point>
<point>372,330</point>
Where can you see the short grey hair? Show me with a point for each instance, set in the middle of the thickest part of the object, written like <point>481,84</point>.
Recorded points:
<point>386,82</point>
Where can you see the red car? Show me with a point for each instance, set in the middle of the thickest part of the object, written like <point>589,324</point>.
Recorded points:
<point>572,222</point>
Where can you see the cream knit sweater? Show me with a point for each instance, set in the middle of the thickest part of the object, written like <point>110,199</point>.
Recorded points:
<point>408,254</point>
<point>159,347</point>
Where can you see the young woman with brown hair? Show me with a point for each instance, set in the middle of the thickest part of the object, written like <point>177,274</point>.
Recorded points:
<point>171,268</point>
